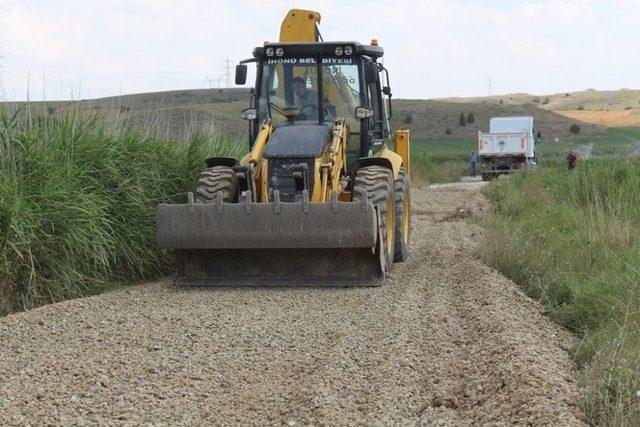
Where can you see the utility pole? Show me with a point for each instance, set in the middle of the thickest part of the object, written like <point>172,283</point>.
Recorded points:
<point>490,86</point>
<point>226,73</point>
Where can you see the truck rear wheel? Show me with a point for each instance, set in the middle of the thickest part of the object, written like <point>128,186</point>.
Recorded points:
<point>218,179</point>
<point>402,210</point>
<point>378,183</point>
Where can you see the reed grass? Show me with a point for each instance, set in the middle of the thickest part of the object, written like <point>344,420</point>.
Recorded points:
<point>77,199</point>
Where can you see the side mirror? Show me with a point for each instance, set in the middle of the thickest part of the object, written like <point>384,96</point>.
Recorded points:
<point>370,72</point>
<point>386,90</point>
<point>249,114</point>
<point>363,112</point>
<point>241,74</point>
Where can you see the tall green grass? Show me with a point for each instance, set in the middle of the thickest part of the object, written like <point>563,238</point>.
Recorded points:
<point>77,199</point>
<point>436,161</point>
<point>572,240</point>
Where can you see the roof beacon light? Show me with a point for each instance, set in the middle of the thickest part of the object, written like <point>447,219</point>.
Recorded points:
<point>339,51</point>
<point>279,51</point>
<point>269,51</point>
<point>374,42</point>
<point>348,50</point>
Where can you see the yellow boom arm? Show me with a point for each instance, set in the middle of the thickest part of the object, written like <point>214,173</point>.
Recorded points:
<point>300,26</point>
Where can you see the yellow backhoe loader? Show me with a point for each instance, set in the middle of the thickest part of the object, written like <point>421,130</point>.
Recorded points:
<point>322,197</point>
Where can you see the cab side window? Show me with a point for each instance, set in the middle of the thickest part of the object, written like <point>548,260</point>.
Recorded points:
<point>374,104</point>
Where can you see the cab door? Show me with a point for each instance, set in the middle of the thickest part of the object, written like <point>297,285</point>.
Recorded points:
<point>377,131</point>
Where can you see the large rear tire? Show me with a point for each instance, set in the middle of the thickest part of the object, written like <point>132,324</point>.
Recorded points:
<point>378,183</point>
<point>218,179</point>
<point>402,208</point>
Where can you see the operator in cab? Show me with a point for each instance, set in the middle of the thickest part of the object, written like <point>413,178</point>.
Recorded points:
<point>306,99</point>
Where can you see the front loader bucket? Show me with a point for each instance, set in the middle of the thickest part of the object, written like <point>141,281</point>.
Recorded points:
<point>273,244</point>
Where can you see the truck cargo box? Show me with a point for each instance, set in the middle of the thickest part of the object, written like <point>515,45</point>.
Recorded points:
<point>508,136</point>
<point>508,146</point>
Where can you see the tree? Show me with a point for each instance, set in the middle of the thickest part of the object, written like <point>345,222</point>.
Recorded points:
<point>408,118</point>
<point>471,118</point>
<point>463,120</point>
<point>575,129</point>
<point>448,131</point>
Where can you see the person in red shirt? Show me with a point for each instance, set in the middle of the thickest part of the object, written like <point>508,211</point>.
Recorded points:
<point>571,159</point>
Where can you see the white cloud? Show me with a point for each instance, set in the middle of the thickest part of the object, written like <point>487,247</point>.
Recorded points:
<point>434,48</point>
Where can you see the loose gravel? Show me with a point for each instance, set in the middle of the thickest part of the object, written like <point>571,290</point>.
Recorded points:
<point>446,341</point>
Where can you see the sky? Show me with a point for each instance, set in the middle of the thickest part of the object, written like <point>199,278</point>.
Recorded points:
<point>433,48</point>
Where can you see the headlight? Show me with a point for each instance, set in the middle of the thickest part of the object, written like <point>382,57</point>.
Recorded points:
<point>339,51</point>
<point>269,51</point>
<point>279,51</point>
<point>348,50</point>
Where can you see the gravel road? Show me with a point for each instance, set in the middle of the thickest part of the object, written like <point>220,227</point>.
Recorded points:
<point>446,341</point>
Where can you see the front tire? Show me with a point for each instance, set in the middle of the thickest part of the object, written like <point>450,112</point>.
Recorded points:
<point>218,179</point>
<point>402,209</point>
<point>378,183</point>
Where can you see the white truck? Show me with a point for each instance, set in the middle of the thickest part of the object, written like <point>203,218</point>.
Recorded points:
<point>509,146</point>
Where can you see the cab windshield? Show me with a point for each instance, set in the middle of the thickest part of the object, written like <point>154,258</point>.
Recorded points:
<point>294,82</point>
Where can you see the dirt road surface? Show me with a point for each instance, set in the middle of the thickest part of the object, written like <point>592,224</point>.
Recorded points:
<point>446,341</point>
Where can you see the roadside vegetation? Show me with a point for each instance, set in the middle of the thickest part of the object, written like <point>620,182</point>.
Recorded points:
<point>77,199</point>
<point>572,241</point>
<point>440,160</point>
<point>446,160</point>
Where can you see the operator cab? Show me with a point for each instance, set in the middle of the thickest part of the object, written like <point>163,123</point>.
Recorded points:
<point>317,83</point>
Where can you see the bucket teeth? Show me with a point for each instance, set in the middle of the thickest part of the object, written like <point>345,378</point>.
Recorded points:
<point>219,201</point>
<point>335,206</point>
<point>365,200</point>
<point>276,201</point>
<point>305,201</point>
<point>190,202</point>
<point>247,202</point>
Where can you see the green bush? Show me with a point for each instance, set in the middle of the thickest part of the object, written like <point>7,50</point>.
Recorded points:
<point>77,201</point>
<point>575,129</point>
<point>462,120</point>
<point>408,118</point>
<point>572,241</point>
<point>471,118</point>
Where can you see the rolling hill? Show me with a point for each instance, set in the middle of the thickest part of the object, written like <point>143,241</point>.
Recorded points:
<point>175,113</point>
